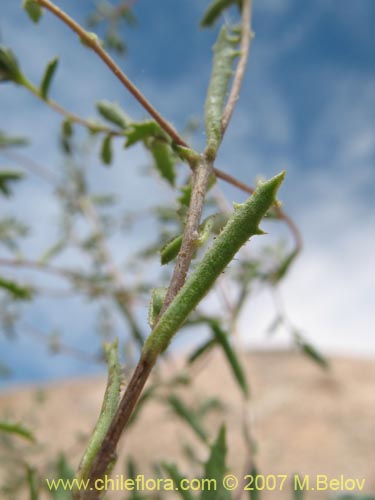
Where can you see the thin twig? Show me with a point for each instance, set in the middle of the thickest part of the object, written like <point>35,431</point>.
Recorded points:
<point>201,174</point>
<point>92,42</point>
<point>246,36</point>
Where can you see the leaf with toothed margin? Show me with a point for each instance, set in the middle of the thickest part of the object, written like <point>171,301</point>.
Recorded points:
<point>243,224</point>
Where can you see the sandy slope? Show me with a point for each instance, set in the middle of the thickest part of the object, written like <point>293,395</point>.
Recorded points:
<point>304,420</point>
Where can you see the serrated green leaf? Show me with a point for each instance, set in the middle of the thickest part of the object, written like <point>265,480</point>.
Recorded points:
<point>188,415</point>
<point>157,299</point>
<point>16,290</point>
<point>47,77</point>
<point>215,468</point>
<point>164,160</point>
<point>222,339</point>
<point>33,9</point>
<point>176,476</point>
<point>215,10</point>
<point>106,150</point>
<point>112,112</point>
<point>16,428</point>
<point>7,177</point>
<point>142,131</point>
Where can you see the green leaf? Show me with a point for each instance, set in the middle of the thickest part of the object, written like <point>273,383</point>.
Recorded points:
<point>222,339</point>
<point>16,428</point>
<point>108,410</point>
<point>310,351</point>
<point>215,10</point>
<point>9,69</point>
<point>284,267</point>
<point>112,112</point>
<point>255,493</point>
<point>106,150</point>
<point>7,177</point>
<point>224,55</point>
<point>142,131</point>
<point>242,224</point>
<point>33,9</point>
<point>170,250</point>
<point>176,476</point>
<point>47,77</point>
<point>164,160</point>
<point>202,349</point>
<point>33,483</point>
<point>157,299</point>
<point>6,141</point>
<point>188,415</point>
<point>53,251</point>
<point>17,291</point>
<point>66,135</point>
<point>215,468</point>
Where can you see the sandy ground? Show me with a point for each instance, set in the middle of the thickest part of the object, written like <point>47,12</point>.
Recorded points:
<point>304,420</point>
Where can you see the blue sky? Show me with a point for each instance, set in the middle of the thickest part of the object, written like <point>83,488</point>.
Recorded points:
<point>307,105</point>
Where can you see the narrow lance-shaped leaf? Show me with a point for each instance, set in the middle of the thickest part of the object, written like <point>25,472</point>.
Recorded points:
<point>224,55</point>
<point>7,141</point>
<point>17,291</point>
<point>202,349</point>
<point>16,428</point>
<point>188,415</point>
<point>47,77</point>
<point>106,150</point>
<point>215,468</point>
<point>174,473</point>
<point>214,11</point>
<point>310,351</point>
<point>32,482</point>
<point>222,339</point>
<point>243,224</point>
<point>108,410</point>
<point>112,112</point>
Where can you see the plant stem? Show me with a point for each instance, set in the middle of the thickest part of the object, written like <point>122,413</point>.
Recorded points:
<point>201,174</point>
<point>92,42</point>
<point>246,36</point>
